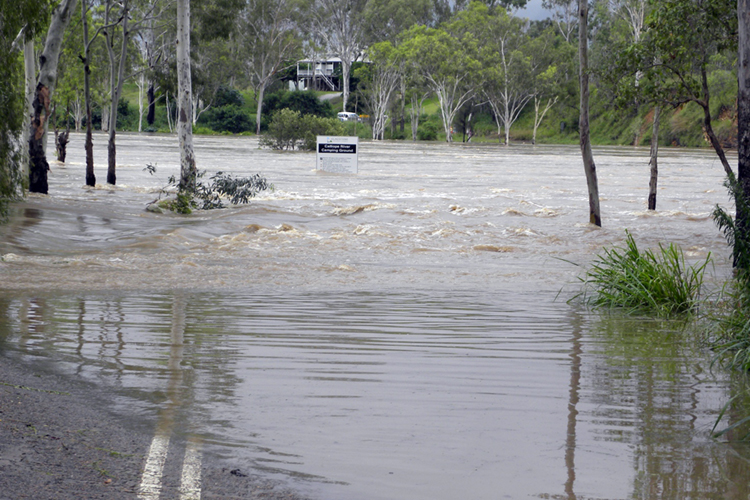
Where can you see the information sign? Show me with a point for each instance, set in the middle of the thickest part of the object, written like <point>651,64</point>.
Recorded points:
<point>337,154</point>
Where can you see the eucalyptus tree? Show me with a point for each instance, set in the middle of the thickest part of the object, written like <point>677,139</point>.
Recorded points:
<point>118,30</point>
<point>743,128</point>
<point>188,168</point>
<point>550,57</point>
<point>679,44</point>
<point>507,73</point>
<point>45,87</point>
<point>270,39</point>
<point>385,20</point>
<point>565,17</point>
<point>19,24</point>
<point>379,80</point>
<point>340,24</point>
<point>449,66</point>
<point>587,155</point>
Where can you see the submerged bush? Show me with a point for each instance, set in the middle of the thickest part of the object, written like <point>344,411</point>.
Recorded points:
<point>237,190</point>
<point>645,281</point>
<point>289,129</point>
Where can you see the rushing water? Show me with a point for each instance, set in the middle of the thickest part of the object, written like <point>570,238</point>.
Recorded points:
<point>399,333</point>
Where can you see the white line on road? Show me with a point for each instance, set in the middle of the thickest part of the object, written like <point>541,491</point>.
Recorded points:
<point>190,486</point>
<point>152,472</point>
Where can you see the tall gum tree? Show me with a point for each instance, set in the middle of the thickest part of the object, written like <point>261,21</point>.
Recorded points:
<point>45,87</point>
<point>269,39</point>
<point>340,24</point>
<point>448,67</point>
<point>589,166</point>
<point>675,53</point>
<point>188,168</point>
<point>743,112</point>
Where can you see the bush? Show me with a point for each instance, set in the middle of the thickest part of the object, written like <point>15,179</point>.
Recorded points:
<point>303,101</point>
<point>230,118</point>
<point>289,129</point>
<point>644,281</point>
<point>428,130</point>
<point>228,96</point>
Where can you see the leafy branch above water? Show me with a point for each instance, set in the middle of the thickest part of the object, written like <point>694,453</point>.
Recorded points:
<point>222,187</point>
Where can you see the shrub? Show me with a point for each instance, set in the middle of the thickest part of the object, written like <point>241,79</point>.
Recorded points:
<point>428,130</point>
<point>230,118</point>
<point>289,129</point>
<point>303,101</point>
<point>228,96</point>
<point>660,282</point>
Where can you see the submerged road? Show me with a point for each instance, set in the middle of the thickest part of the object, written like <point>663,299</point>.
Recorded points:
<point>58,441</point>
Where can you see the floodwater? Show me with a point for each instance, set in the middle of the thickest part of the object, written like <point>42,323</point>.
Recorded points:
<point>399,333</point>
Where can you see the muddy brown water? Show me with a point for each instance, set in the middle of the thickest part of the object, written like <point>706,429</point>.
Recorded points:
<point>399,333</point>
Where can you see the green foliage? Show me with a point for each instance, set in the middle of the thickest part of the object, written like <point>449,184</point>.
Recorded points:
<point>645,281</point>
<point>229,118</point>
<point>289,129</point>
<point>428,129</point>
<point>222,186</point>
<point>13,16</point>
<point>303,101</point>
<point>228,96</point>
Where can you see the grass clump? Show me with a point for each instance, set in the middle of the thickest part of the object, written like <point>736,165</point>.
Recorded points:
<point>660,282</point>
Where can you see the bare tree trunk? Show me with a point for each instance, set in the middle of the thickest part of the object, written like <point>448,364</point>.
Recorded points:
<point>116,91</point>
<point>89,146</point>
<point>151,116</point>
<point>589,166</point>
<point>707,123</point>
<point>30,76</point>
<point>188,170</point>
<point>259,113</point>
<point>743,116</point>
<point>45,87</point>
<point>654,161</point>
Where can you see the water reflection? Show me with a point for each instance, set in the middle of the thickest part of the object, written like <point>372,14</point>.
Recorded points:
<point>658,382</point>
<point>411,395</point>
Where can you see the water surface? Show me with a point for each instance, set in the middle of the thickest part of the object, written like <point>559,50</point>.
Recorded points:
<point>399,333</point>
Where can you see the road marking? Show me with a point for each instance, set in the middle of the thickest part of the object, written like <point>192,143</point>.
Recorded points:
<point>190,485</point>
<point>154,468</point>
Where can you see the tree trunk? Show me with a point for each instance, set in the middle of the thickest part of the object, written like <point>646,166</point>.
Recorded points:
<point>345,69</point>
<point>259,112</point>
<point>116,93</point>
<point>89,146</point>
<point>707,123</point>
<point>588,157</point>
<point>151,104</point>
<point>653,161</point>
<point>743,118</point>
<point>188,170</point>
<point>45,87</point>
<point>62,145</point>
<point>30,75</point>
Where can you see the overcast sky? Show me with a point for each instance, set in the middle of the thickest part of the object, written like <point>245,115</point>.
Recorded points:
<point>534,11</point>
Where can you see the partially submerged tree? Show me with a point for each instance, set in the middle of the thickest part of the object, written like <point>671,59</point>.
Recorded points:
<point>45,87</point>
<point>675,54</point>
<point>188,169</point>
<point>589,166</point>
<point>17,27</point>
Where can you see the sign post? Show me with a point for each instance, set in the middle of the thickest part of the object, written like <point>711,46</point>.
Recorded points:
<point>337,154</point>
